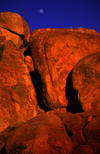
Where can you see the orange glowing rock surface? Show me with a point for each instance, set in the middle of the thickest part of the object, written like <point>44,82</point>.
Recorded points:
<point>55,53</point>
<point>29,63</point>
<point>14,23</point>
<point>17,94</point>
<point>49,89</point>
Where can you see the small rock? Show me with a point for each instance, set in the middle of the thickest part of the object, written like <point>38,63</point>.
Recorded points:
<point>92,129</point>
<point>29,63</point>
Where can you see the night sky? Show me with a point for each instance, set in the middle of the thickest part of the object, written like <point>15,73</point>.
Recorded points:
<point>56,13</point>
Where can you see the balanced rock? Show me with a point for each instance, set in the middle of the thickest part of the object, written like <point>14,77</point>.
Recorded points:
<point>17,94</point>
<point>55,53</point>
<point>14,28</point>
<point>41,134</point>
<point>86,80</point>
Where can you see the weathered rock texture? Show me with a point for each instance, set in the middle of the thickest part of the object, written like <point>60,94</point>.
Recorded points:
<point>16,39</point>
<point>2,38</point>
<point>17,94</point>
<point>29,63</point>
<point>86,80</point>
<point>55,53</point>
<point>14,28</point>
<point>50,95</point>
<point>42,134</point>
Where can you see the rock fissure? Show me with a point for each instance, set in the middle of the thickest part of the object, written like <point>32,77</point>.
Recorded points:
<point>12,32</point>
<point>50,92</point>
<point>25,42</point>
<point>74,105</point>
<point>36,80</point>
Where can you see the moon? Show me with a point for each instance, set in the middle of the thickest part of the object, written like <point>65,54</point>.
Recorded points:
<point>41,11</point>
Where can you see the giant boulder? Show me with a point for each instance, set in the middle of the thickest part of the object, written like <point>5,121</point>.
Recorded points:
<point>86,80</point>
<point>17,94</point>
<point>55,53</point>
<point>41,134</point>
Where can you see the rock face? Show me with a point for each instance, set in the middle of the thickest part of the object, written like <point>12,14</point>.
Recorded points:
<point>42,134</point>
<point>55,53</point>
<point>2,38</point>
<point>49,91</point>
<point>86,80</point>
<point>14,28</point>
<point>92,130</point>
<point>29,63</point>
<point>17,94</point>
<point>17,40</point>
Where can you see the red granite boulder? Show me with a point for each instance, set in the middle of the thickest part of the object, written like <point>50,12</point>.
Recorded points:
<point>14,28</point>
<point>83,129</point>
<point>55,52</point>
<point>92,129</point>
<point>17,94</point>
<point>15,23</point>
<point>86,80</point>
<point>41,134</point>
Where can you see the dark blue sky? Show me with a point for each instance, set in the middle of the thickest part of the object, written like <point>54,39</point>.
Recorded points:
<point>57,13</point>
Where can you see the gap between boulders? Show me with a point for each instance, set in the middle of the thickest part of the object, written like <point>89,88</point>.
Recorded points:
<point>74,105</point>
<point>36,80</point>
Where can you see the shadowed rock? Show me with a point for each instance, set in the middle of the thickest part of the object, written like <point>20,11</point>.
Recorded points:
<point>86,80</point>
<point>42,134</point>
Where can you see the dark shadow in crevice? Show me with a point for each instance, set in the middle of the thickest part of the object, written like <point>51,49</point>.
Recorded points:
<point>36,79</point>
<point>69,133</point>
<point>74,105</point>
<point>25,42</point>
<point>3,150</point>
<point>28,52</point>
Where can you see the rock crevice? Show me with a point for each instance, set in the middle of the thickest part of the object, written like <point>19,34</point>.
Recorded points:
<point>49,91</point>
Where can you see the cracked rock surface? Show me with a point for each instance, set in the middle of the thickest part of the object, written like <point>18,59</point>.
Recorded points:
<point>50,90</point>
<point>14,28</point>
<point>55,53</point>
